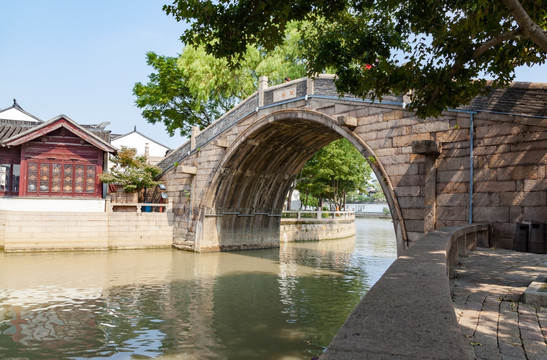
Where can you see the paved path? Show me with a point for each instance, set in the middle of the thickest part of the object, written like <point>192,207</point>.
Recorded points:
<point>486,293</point>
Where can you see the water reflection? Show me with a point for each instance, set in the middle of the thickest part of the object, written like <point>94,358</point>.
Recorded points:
<point>282,303</point>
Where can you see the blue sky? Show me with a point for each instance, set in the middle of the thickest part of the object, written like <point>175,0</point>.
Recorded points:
<point>82,58</point>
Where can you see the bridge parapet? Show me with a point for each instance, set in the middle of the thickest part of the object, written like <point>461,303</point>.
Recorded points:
<point>321,87</point>
<point>408,313</point>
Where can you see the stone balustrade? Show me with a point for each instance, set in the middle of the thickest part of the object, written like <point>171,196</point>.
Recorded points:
<point>310,214</point>
<point>408,313</point>
<point>138,207</point>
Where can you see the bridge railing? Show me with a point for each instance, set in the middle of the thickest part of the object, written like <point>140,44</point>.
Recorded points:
<point>309,214</point>
<point>321,87</point>
<point>408,313</point>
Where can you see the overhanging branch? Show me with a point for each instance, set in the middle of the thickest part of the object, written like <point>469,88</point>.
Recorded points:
<point>528,27</point>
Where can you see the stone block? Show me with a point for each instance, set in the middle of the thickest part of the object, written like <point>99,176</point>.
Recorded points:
<point>452,213</point>
<point>452,200</point>
<point>347,121</point>
<point>411,202</point>
<point>533,157</point>
<point>393,115</point>
<point>413,214</point>
<point>452,176</point>
<point>430,127</point>
<point>521,198</point>
<point>403,169</point>
<point>407,139</point>
<point>414,225</point>
<point>494,186</point>
<point>426,147</point>
<point>407,180</point>
<point>487,199</point>
<point>484,174</point>
<point>454,163</point>
<point>500,129</point>
<point>395,159</point>
<point>530,172</point>
<point>535,185</point>
<point>503,230</point>
<point>393,132</point>
<point>535,213</point>
<point>452,135</point>
<point>408,191</point>
<point>490,214</point>
<point>453,187</point>
<point>529,145</point>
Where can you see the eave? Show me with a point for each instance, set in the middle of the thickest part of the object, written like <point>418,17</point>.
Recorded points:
<point>54,124</point>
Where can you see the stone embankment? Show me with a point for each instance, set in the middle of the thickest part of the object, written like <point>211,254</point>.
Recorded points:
<point>316,225</point>
<point>408,313</point>
<point>63,230</point>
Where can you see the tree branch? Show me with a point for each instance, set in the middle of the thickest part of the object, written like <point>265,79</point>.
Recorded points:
<point>528,27</point>
<point>460,61</point>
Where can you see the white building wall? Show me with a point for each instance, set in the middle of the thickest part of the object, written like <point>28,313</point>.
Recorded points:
<point>52,205</point>
<point>137,141</point>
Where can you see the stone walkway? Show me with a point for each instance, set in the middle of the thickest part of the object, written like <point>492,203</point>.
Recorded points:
<point>486,293</point>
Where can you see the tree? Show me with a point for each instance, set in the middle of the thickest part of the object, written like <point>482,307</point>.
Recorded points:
<point>132,172</point>
<point>437,51</point>
<point>196,88</point>
<point>334,171</point>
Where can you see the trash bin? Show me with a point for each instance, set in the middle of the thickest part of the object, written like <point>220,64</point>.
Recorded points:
<point>521,237</point>
<point>537,240</point>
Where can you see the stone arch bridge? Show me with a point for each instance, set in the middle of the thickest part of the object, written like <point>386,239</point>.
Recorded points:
<point>485,162</point>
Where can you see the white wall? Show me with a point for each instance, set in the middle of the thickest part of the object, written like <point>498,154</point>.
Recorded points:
<point>135,140</point>
<point>52,205</point>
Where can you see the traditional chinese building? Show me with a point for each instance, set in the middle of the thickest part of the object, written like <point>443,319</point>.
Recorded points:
<point>55,158</point>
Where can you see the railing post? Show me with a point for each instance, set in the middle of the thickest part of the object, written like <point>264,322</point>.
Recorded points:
<point>108,205</point>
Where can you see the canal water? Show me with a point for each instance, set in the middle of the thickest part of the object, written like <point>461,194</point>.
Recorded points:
<point>284,303</point>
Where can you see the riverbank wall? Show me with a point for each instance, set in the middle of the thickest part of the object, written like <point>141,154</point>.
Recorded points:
<point>321,226</point>
<point>22,231</point>
<point>58,231</point>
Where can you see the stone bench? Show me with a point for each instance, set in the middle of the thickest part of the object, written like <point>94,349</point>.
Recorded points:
<point>408,313</point>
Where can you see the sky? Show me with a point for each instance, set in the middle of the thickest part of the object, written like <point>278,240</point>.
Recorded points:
<point>82,59</point>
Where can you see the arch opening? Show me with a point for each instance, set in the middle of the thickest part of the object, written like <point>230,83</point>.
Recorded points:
<point>244,203</point>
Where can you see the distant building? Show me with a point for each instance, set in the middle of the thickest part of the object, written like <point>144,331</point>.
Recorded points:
<point>146,146</point>
<point>55,158</point>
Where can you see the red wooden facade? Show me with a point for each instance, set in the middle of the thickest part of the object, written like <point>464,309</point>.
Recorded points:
<point>56,159</point>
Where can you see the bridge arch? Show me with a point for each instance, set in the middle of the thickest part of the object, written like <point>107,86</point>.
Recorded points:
<point>246,190</point>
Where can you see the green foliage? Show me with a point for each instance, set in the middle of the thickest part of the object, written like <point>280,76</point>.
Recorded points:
<point>130,171</point>
<point>334,171</point>
<point>433,50</point>
<point>196,88</point>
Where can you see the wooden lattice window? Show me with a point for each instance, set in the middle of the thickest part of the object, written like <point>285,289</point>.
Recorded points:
<point>32,185</point>
<point>56,178</point>
<point>68,178</point>
<point>90,179</point>
<point>59,178</point>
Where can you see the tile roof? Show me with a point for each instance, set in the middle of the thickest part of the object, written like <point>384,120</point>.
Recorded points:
<point>521,98</point>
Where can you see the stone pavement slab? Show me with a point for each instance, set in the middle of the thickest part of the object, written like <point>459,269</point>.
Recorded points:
<point>486,292</point>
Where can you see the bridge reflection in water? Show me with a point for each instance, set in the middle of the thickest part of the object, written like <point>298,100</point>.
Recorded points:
<point>282,303</point>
